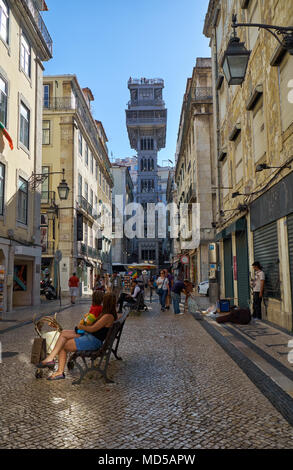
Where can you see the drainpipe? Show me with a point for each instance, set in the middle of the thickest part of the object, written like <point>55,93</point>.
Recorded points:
<point>214,283</point>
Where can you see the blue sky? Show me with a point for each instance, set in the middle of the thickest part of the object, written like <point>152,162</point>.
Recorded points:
<point>104,42</point>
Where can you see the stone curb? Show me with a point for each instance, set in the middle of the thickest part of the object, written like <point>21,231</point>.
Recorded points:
<point>276,395</point>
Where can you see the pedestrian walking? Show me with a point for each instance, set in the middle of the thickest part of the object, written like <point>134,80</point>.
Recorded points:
<point>171,281</point>
<point>151,287</point>
<point>178,287</point>
<point>116,284</point>
<point>258,288</point>
<point>162,289</point>
<point>73,284</point>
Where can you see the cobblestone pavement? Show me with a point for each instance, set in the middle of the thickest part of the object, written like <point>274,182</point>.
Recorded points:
<point>175,388</point>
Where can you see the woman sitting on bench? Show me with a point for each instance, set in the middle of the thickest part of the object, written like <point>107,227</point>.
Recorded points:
<point>91,340</point>
<point>132,298</point>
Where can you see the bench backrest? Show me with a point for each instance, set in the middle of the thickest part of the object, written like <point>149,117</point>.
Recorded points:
<point>113,331</point>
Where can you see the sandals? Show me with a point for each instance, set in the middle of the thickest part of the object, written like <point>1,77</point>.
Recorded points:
<point>42,365</point>
<point>57,377</point>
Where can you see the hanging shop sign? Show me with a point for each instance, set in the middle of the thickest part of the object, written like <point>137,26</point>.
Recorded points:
<point>184,259</point>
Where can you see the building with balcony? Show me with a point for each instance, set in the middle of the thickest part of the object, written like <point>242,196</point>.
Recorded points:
<point>254,146</point>
<point>80,227</point>
<point>24,44</point>
<point>195,174</point>
<point>146,120</point>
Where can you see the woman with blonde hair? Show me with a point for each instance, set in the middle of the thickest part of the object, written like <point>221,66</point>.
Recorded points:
<point>91,340</point>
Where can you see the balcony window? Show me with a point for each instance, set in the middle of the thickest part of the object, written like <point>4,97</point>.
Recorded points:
<point>4,21</point>
<point>92,163</point>
<point>45,184</point>
<point>46,96</point>
<point>80,143</point>
<point>2,187</point>
<point>22,201</point>
<point>25,55</point>
<point>96,163</point>
<point>86,154</point>
<point>86,191</point>
<point>79,185</point>
<point>3,101</point>
<point>46,132</point>
<point>24,125</point>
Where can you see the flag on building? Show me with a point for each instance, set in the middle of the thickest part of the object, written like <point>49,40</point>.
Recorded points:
<point>5,133</point>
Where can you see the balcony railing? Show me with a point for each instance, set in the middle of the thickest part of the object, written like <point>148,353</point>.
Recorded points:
<point>60,104</point>
<point>191,194</point>
<point>146,103</point>
<point>145,81</point>
<point>48,197</point>
<point>39,22</point>
<point>86,206</point>
<point>202,93</point>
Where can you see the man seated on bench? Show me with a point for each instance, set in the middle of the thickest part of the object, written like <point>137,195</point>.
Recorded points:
<point>129,298</point>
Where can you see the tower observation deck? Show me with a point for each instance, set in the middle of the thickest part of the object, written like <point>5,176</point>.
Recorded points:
<point>146,120</point>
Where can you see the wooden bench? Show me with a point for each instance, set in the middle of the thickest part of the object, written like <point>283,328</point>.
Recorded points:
<point>99,359</point>
<point>138,305</point>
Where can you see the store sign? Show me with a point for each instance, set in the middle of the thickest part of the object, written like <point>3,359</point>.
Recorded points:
<point>184,259</point>
<point>277,202</point>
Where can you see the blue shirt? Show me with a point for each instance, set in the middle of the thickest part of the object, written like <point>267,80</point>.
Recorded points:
<point>178,287</point>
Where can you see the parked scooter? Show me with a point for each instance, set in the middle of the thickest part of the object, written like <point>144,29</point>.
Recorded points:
<point>48,290</point>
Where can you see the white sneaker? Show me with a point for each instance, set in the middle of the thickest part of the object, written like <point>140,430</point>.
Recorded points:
<point>181,313</point>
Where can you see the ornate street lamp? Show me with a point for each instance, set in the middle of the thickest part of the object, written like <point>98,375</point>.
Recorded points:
<point>38,178</point>
<point>236,56</point>
<point>235,61</point>
<point>63,189</point>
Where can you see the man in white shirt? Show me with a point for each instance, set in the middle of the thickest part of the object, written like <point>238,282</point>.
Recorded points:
<point>131,299</point>
<point>258,289</point>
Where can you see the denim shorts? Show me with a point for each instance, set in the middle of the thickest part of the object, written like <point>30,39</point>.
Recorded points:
<point>87,342</point>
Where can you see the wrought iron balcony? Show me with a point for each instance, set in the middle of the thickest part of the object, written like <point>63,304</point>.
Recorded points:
<point>145,81</point>
<point>142,103</point>
<point>86,206</point>
<point>82,249</point>
<point>32,6</point>
<point>59,104</point>
<point>191,194</point>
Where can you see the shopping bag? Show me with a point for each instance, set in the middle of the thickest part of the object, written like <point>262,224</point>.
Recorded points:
<point>51,339</point>
<point>38,350</point>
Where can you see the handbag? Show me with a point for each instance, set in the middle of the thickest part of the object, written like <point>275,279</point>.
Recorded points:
<point>159,291</point>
